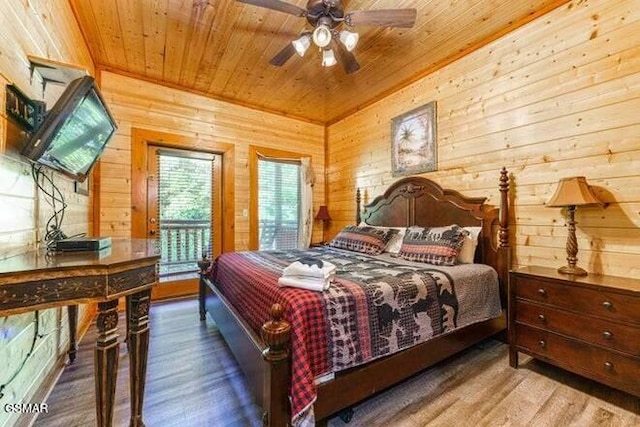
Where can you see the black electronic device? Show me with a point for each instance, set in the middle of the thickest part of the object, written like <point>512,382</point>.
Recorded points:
<point>74,132</point>
<point>82,244</point>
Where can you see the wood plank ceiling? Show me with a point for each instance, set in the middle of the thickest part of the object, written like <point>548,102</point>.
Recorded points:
<point>222,48</point>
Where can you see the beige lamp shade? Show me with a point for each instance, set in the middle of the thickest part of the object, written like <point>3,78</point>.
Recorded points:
<point>573,191</point>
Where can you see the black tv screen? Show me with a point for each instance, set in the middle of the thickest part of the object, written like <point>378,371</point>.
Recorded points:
<point>74,132</point>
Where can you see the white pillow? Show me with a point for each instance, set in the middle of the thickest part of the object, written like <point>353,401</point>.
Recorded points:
<point>393,246</point>
<point>468,250</point>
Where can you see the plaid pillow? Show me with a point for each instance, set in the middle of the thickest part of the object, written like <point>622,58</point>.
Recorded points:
<point>368,240</point>
<point>437,245</point>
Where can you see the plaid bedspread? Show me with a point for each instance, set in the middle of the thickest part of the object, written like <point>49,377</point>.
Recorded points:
<point>373,308</point>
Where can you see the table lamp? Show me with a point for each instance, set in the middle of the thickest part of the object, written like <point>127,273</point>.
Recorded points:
<point>572,192</point>
<point>323,215</point>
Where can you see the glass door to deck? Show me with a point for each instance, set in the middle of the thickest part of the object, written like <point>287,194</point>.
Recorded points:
<point>184,209</point>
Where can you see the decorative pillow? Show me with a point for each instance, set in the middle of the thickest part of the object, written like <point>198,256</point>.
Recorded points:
<point>368,240</point>
<point>437,245</point>
<point>468,250</point>
<point>395,243</point>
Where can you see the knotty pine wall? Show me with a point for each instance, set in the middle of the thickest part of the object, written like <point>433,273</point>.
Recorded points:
<point>558,97</point>
<point>143,105</point>
<point>47,29</point>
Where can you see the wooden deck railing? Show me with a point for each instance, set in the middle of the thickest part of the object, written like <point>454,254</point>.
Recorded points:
<point>282,236</point>
<point>182,243</point>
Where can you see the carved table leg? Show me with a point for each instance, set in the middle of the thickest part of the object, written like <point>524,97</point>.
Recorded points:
<point>106,361</point>
<point>127,303</point>
<point>72,317</point>
<point>138,344</point>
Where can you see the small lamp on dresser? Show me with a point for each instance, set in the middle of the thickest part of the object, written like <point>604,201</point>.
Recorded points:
<point>323,215</point>
<point>570,193</point>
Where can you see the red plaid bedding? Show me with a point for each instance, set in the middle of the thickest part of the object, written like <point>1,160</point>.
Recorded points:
<point>253,289</point>
<point>374,308</point>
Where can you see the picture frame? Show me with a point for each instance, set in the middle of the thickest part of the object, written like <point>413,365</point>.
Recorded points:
<point>413,141</point>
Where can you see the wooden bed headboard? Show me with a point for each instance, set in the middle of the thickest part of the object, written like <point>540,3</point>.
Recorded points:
<point>421,202</point>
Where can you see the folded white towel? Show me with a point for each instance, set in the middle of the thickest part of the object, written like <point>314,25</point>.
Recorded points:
<point>302,283</point>
<point>299,269</point>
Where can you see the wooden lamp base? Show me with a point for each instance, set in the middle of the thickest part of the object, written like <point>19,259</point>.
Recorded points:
<point>572,247</point>
<point>573,270</point>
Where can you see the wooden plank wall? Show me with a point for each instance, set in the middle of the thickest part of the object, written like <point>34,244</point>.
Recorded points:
<point>44,28</point>
<point>138,104</point>
<point>558,97</point>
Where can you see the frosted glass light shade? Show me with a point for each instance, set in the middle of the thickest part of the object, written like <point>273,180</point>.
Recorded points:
<point>301,44</point>
<point>328,58</point>
<point>349,39</point>
<point>322,36</point>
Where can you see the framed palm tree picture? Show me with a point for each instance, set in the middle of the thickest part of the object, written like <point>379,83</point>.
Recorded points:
<point>413,141</point>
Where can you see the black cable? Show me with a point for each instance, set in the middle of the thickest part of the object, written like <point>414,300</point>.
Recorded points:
<point>36,334</point>
<point>53,230</point>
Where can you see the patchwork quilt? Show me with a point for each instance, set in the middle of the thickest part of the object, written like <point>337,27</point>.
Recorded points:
<point>376,306</point>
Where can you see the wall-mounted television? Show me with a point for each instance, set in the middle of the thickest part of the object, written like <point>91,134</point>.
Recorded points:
<point>74,132</point>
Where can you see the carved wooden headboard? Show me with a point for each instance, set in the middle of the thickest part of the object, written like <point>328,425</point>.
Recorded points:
<point>421,202</point>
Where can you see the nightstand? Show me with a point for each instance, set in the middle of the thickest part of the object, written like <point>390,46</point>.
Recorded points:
<point>588,325</point>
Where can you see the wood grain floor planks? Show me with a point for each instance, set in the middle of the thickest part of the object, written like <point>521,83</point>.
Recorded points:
<point>193,380</point>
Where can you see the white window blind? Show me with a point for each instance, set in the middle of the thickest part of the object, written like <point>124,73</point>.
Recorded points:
<point>278,203</point>
<point>185,187</point>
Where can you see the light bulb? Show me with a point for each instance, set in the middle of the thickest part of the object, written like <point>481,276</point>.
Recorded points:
<point>301,44</point>
<point>328,58</point>
<point>322,36</point>
<point>349,39</point>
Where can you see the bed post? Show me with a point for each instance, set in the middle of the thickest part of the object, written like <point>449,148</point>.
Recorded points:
<point>358,200</point>
<point>504,258</point>
<point>504,209</point>
<point>276,334</point>
<point>203,266</point>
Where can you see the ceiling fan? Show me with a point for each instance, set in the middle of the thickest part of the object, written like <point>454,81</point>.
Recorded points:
<point>326,16</point>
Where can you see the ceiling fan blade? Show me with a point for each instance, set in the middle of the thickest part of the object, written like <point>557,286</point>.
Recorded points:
<point>283,56</point>
<point>345,58</point>
<point>278,5</point>
<point>403,18</point>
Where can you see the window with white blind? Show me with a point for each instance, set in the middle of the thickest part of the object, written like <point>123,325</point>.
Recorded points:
<point>278,203</point>
<point>185,182</point>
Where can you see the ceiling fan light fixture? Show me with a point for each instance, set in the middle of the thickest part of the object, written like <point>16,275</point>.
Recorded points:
<point>301,44</point>
<point>322,36</point>
<point>349,39</point>
<point>328,58</point>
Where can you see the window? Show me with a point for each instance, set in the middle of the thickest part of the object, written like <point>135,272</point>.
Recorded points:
<point>278,203</point>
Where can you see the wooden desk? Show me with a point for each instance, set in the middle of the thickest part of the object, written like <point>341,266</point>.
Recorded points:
<point>36,281</point>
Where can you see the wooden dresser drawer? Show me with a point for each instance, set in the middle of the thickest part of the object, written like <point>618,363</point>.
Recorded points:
<point>607,366</point>
<point>602,332</point>
<point>587,301</point>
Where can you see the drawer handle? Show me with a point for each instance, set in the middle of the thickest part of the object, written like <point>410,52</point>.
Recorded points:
<point>542,318</point>
<point>607,335</point>
<point>608,366</point>
<point>542,292</point>
<point>542,343</point>
<point>607,305</point>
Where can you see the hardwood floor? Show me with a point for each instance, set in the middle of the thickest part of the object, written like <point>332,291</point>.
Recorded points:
<point>192,380</point>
